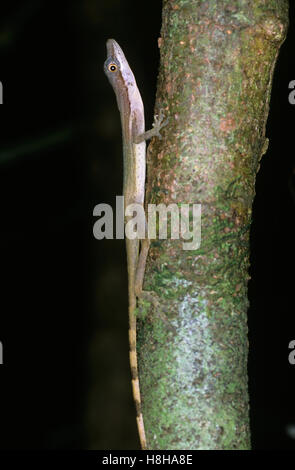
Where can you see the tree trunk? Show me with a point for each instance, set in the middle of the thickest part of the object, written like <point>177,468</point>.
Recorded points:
<point>217,63</point>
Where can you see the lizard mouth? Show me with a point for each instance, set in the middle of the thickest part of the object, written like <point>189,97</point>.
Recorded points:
<point>113,48</point>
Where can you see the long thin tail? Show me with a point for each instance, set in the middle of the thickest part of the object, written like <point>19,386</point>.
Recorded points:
<point>134,375</point>
<point>132,258</point>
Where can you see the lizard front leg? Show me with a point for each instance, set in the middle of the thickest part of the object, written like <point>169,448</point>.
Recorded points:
<point>158,124</point>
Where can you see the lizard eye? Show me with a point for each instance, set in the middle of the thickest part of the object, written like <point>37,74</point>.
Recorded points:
<point>112,67</point>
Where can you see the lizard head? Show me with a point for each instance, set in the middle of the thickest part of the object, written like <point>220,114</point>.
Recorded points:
<point>118,71</point>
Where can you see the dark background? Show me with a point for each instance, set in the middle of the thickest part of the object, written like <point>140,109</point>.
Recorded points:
<point>65,381</point>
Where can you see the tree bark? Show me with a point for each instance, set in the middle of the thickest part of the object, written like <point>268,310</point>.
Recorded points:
<point>217,63</point>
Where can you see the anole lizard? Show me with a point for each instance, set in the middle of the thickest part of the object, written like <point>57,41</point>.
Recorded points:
<point>134,155</point>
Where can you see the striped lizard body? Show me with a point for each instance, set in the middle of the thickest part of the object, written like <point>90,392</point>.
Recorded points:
<point>134,136</point>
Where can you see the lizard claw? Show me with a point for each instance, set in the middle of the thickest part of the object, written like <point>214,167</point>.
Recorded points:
<point>158,123</point>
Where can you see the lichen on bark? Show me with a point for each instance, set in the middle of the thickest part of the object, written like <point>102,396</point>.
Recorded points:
<point>217,63</point>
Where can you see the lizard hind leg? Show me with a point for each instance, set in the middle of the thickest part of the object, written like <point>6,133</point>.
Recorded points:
<point>145,244</point>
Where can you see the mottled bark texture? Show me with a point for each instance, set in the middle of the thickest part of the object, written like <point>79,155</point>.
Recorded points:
<point>217,63</point>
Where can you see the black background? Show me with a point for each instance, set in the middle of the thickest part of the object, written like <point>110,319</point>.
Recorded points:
<point>64,383</point>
